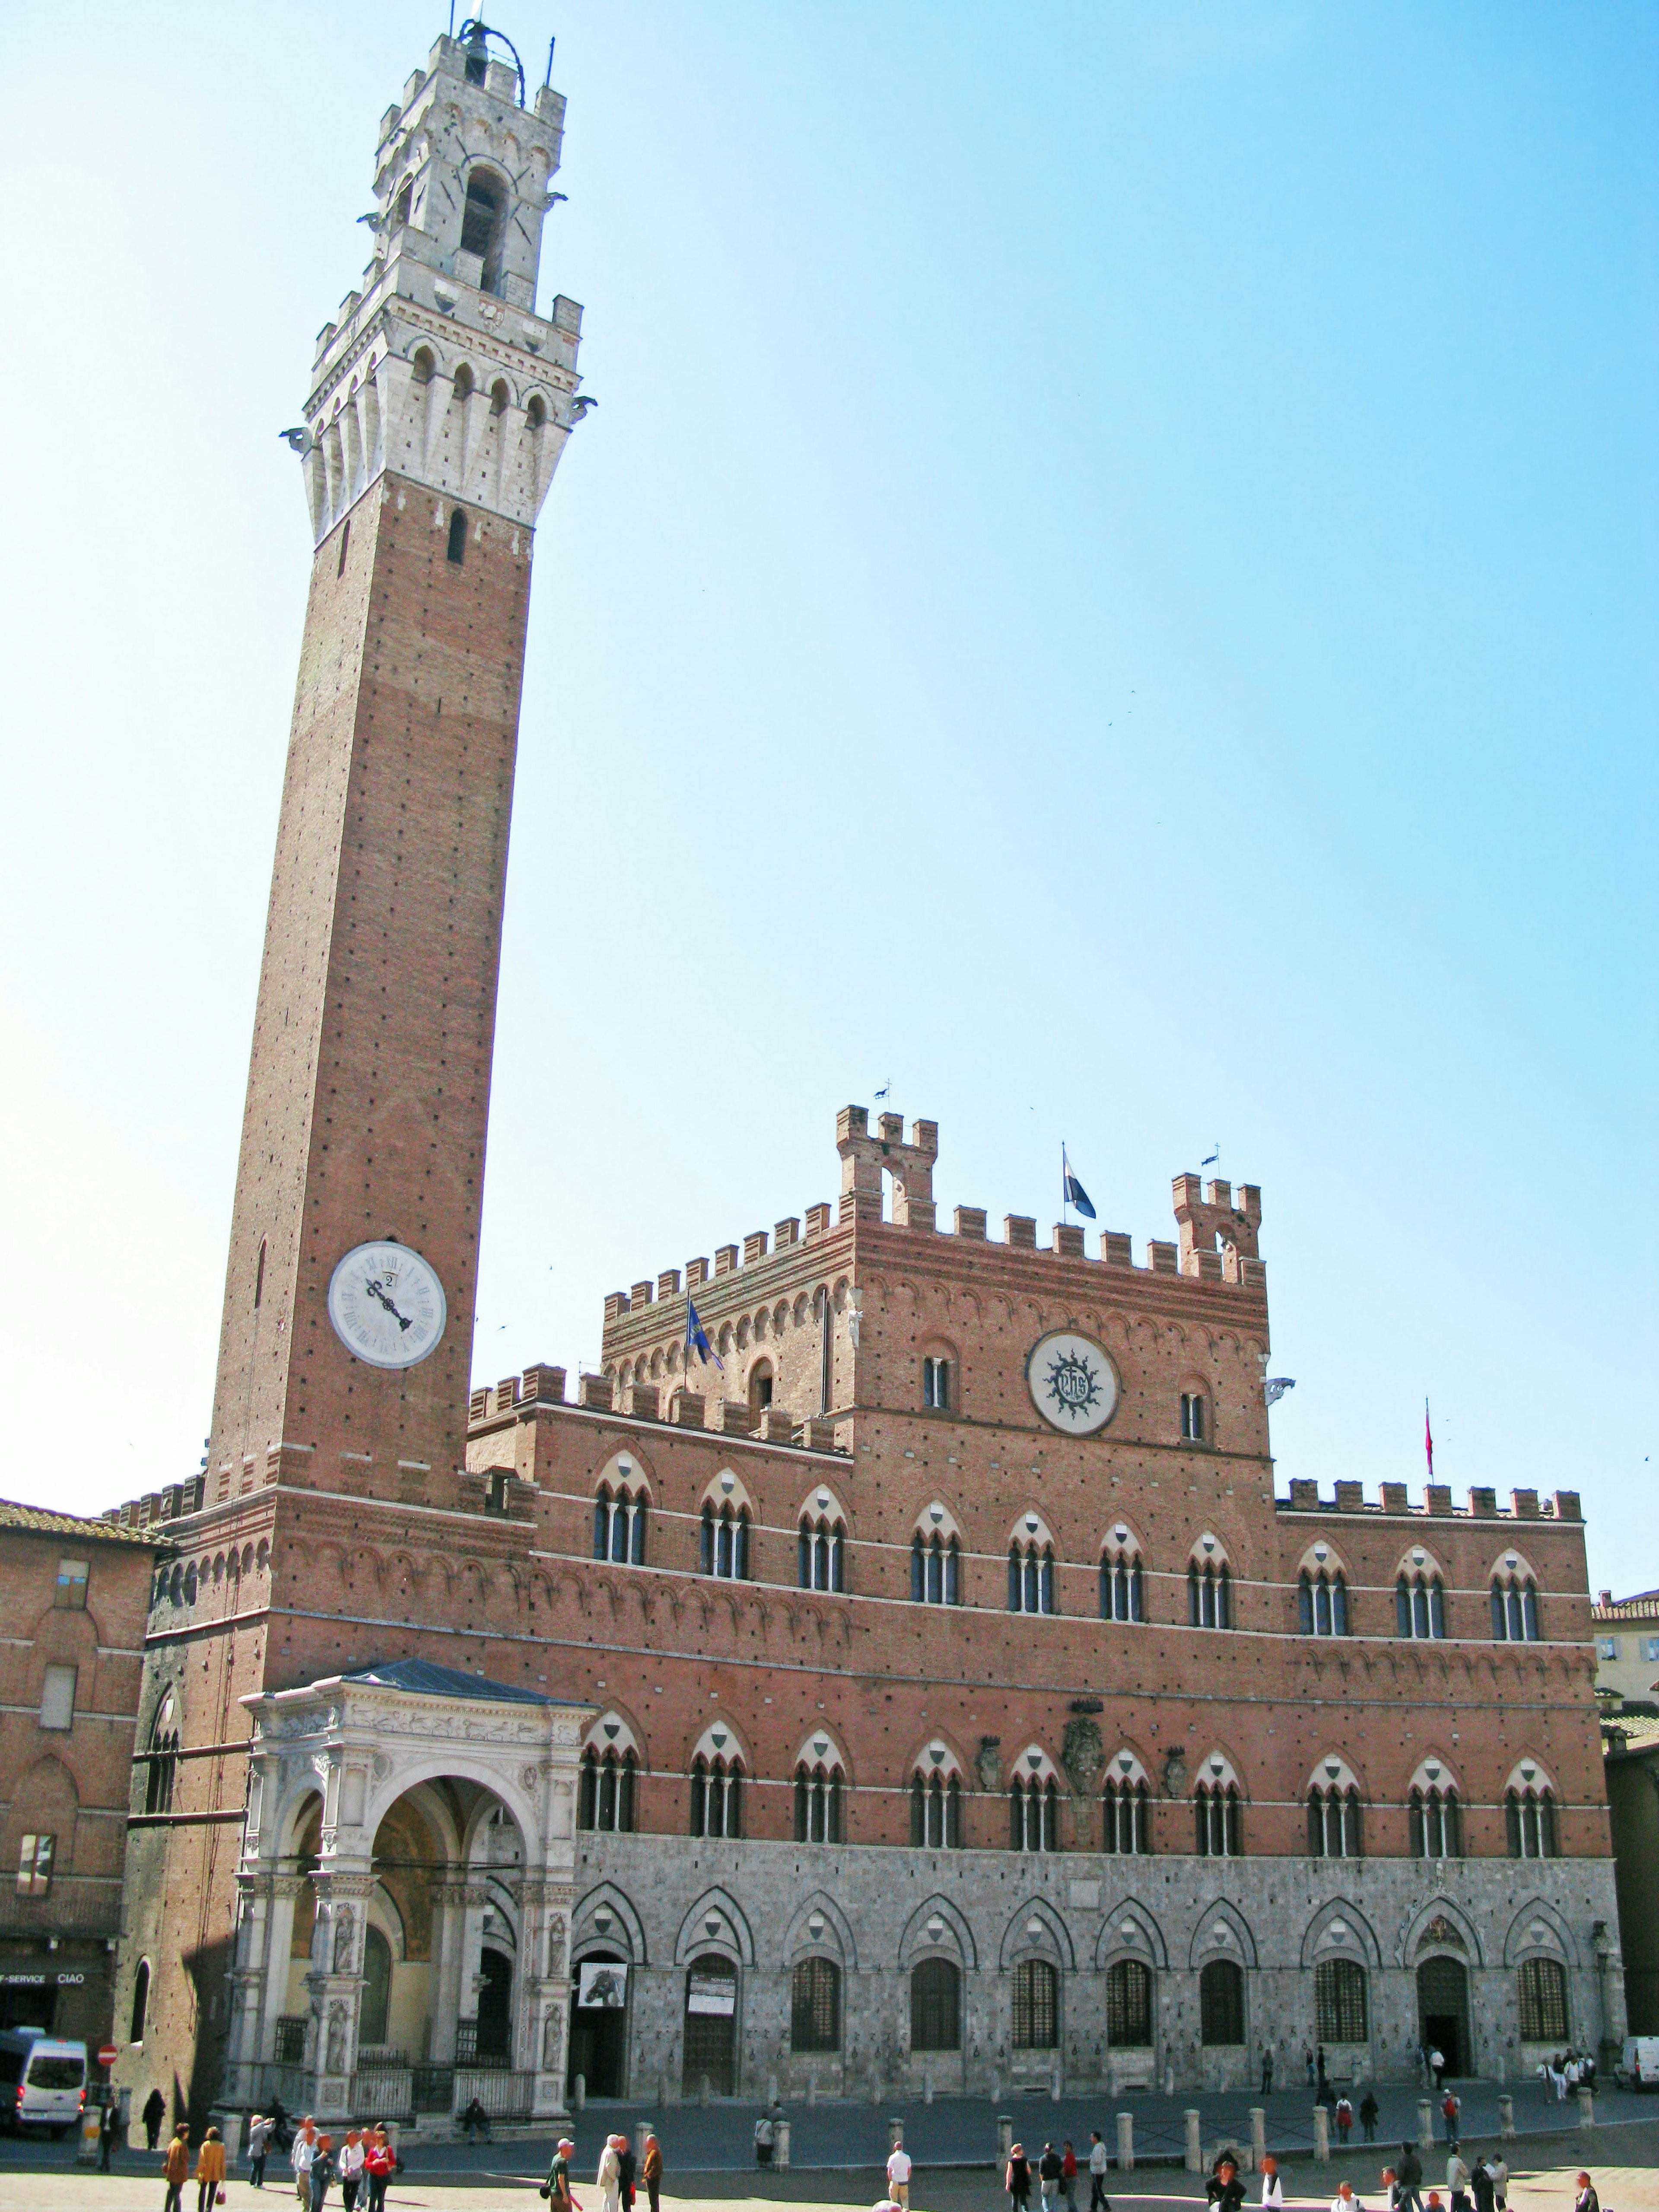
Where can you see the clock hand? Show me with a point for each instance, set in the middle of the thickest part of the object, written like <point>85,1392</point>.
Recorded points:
<point>375,1290</point>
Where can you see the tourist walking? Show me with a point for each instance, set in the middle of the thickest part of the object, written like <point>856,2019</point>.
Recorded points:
<point>175,2169</point>
<point>1344,2200</point>
<point>626,2168</point>
<point>1450,2108</point>
<point>1457,2181</point>
<point>651,2171</point>
<point>1224,2189</point>
<point>380,2163</point>
<point>209,2170</point>
<point>1067,2176</point>
<point>1497,2168</point>
<point>1437,2068</point>
<point>154,2111</point>
<point>1017,2180</point>
<point>1410,2175</point>
<point>1272,2189</point>
<point>259,2131</point>
<point>610,2176</point>
<point>1308,2064</point>
<point>898,2176</point>
<point>1481,2185</point>
<point>1344,2120</point>
<point>301,2158</point>
<point>1097,2174</point>
<point>556,2187</point>
<point>1048,2171</point>
<point>1587,2200</point>
<point>1369,2115</point>
<point>765,2138</point>
<point>322,2171</point>
<point>1266,2070</point>
<point>109,2122</point>
<point>352,2161</point>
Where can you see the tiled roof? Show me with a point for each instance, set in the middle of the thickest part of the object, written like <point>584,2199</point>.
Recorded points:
<point>1643,1606</point>
<point>429,1680</point>
<point>39,1520</point>
<point>1640,1732</point>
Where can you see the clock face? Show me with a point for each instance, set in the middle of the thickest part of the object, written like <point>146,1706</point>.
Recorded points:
<point>387,1305</point>
<point>1073,1384</point>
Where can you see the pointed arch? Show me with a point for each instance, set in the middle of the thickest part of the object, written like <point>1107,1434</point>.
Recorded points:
<point>715,1923</point>
<point>1539,1930</point>
<point>1339,1928</point>
<point>1439,1923</point>
<point>938,1928</point>
<point>625,1931</point>
<point>1036,1930</point>
<point>1223,1932</point>
<point>832,1937</point>
<point>1131,1930</point>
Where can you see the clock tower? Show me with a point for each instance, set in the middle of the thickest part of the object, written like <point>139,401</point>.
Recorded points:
<point>439,403</point>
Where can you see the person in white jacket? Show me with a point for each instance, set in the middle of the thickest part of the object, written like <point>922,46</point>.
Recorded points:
<point>1272,2189</point>
<point>610,2177</point>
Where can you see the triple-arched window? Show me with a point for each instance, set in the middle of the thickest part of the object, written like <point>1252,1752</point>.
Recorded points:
<point>1334,1821</point>
<point>935,1569</point>
<point>1321,1599</point>
<point>1127,1802</point>
<point>1209,1594</point>
<point>1030,1575</point>
<point>619,1525</point>
<point>1530,1820</point>
<point>725,1546</point>
<point>1513,1608</point>
<point>1122,1590</point>
<point>817,1801</point>
<point>1419,1603</point>
<point>1217,1822</point>
<point>1033,1814</point>
<point>605,1799</point>
<point>716,1797</point>
<point>935,1811</point>
<point>820,1553</point>
<point>1435,1817</point>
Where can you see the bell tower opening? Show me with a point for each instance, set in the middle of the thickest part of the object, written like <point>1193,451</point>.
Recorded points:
<point>483,219</point>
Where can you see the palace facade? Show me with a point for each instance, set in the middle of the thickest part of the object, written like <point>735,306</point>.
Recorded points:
<point>928,1689</point>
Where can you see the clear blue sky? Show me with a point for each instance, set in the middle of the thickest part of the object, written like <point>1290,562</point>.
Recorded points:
<point>1111,584</point>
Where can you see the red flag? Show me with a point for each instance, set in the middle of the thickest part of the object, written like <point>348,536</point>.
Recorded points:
<point>1428,1439</point>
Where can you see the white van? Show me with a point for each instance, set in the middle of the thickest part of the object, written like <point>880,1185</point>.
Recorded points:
<point>1639,2061</point>
<point>43,2081</point>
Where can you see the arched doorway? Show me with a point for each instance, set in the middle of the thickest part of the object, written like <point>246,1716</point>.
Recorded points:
<point>1443,2011</point>
<point>711,2026</point>
<point>494,2007</point>
<point>599,2024</point>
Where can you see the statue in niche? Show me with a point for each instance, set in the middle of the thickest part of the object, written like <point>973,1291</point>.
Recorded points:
<point>553,2040</point>
<point>344,1930</point>
<point>337,2037</point>
<point>555,1945</point>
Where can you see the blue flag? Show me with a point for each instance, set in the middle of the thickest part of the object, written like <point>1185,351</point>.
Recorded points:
<point>697,1340</point>
<point>1071,1189</point>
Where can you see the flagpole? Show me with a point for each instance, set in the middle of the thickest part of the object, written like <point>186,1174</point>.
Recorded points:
<point>1064,1210</point>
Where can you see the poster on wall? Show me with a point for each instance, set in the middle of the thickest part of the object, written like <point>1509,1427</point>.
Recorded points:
<point>711,1993</point>
<point>601,1985</point>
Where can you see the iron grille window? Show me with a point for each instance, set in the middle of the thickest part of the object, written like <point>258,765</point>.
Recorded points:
<point>1129,2005</point>
<point>1037,2005</point>
<point>1543,2001</point>
<point>815,2005</point>
<point>1221,2002</point>
<point>936,2005</point>
<point>1340,2010</point>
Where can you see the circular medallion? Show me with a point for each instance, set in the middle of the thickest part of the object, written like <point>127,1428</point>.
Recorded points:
<point>387,1305</point>
<point>1073,1384</point>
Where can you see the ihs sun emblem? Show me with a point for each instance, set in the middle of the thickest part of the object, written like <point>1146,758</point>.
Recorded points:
<point>1073,1383</point>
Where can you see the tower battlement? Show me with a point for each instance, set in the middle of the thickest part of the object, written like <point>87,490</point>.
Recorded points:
<point>438,367</point>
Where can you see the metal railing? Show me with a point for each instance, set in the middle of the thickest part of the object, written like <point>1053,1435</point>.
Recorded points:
<point>395,2092</point>
<point>467,2050</point>
<point>503,2094</point>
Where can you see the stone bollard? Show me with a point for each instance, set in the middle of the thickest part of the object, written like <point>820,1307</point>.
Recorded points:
<point>896,2135</point>
<point>812,2084</point>
<point>230,2130</point>
<point>1054,2087</point>
<point>642,2130</point>
<point>927,2086</point>
<point>1506,2118</point>
<point>1258,2135</point>
<point>579,2093</point>
<point>875,2088</point>
<point>1126,2142</point>
<point>1424,2125</point>
<point>703,2097</point>
<point>771,2089</point>
<point>780,2143</point>
<point>1168,2079</point>
<point>663,2093</point>
<point>1322,2135</point>
<point>1586,2107</point>
<point>1004,2135</point>
<point>1194,2148</point>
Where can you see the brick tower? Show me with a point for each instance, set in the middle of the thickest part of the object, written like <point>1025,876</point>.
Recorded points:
<point>440,405</point>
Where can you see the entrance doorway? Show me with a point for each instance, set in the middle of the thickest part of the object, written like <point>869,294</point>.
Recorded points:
<point>1443,2011</point>
<point>711,2026</point>
<point>494,2007</point>
<point>598,2029</point>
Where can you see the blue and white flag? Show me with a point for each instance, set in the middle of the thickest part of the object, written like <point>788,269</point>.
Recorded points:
<point>1072,1190</point>
<point>697,1340</point>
